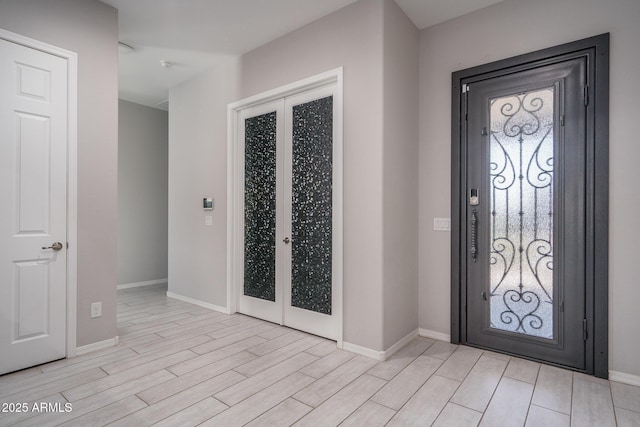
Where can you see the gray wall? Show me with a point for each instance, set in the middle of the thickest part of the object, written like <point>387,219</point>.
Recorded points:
<point>197,169</point>
<point>142,193</point>
<point>503,30</point>
<point>400,174</point>
<point>90,29</point>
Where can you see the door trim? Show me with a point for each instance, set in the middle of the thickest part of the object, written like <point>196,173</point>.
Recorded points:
<point>597,199</point>
<point>72,176</point>
<point>235,180</point>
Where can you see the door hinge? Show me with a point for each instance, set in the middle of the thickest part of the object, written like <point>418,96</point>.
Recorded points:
<point>562,120</point>
<point>67,245</point>
<point>585,95</point>
<point>465,88</point>
<point>483,294</point>
<point>562,306</point>
<point>584,329</point>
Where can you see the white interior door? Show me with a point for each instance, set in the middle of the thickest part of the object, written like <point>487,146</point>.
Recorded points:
<point>310,213</point>
<point>288,273</point>
<point>33,190</point>
<point>261,139</point>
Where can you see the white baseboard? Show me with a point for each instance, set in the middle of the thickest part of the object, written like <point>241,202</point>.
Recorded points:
<point>398,345</point>
<point>363,351</point>
<point>377,354</point>
<point>621,377</point>
<point>197,302</point>
<point>111,342</point>
<point>146,283</point>
<point>427,333</point>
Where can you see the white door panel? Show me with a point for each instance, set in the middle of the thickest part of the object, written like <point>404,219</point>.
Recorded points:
<point>33,174</point>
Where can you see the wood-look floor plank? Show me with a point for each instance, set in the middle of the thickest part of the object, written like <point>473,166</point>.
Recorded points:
<point>425,406</point>
<point>403,357</point>
<point>180,401</point>
<point>592,404</point>
<point>99,400</point>
<point>553,389</point>
<point>218,343</point>
<point>401,388</point>
<point>328,363</point>
<point>214,356</point>
<point>14,418</point>
<point>183,382</point>
<point>457,416</point>
<point>96,386</point>
<point>256,405</point>
<point>342,404</point>
<point>264,379</point>
<point>510,404</point>
<point>194,414</point>
<point>276,343</point>
<point>478,387</point>
<point>440,350</point>
<point>625,396</point>
<point>370,414</point>
<point>523,370</point>
<point>82,379</point>
<point>270,359</point>
<point>626,418</point>
<point>458,365</point>
<point>282,415</point>
<point>543,417</point>
<point>109,413</point>
<point>325,387</point>
<point>323,348</point>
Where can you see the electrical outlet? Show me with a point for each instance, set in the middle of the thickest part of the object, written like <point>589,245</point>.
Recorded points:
<point>96,310</point>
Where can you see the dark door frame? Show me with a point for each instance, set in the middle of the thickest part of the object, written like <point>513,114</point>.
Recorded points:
<point>596,50</point>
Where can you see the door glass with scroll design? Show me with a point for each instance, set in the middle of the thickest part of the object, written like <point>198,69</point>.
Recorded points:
<point>521,154</point>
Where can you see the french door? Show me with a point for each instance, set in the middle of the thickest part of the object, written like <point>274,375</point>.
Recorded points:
<point>527,207</point>
<point>288,257</point>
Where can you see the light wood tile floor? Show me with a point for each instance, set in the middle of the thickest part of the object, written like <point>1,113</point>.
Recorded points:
<point>181,365</point>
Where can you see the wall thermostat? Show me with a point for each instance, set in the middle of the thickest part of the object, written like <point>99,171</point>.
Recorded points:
<point>207,203</point>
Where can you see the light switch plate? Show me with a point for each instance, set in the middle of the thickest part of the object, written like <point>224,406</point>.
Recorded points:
<point>442,224</point>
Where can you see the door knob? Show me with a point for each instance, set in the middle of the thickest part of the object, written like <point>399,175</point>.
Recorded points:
<point>286,240</point>
<point>56,246</point>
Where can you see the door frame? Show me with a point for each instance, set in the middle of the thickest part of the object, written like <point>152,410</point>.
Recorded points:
<point>72,176</point>
<point>596,49</point>
<point>235,185</point>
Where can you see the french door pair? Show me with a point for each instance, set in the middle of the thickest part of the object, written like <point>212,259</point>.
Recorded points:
<point>288,245</point>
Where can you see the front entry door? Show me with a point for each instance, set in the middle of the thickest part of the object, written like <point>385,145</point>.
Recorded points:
<point>525,214</point>
<point>288,246</point>
<point>33,190</point>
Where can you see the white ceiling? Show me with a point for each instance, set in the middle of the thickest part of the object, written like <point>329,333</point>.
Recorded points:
<point>196,35</point>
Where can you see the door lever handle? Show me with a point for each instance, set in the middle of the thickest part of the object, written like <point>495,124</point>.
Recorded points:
<point>474,235</point>
<point>56,246</point>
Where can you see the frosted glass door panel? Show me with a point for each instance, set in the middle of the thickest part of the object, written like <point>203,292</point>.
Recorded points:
<point>311,216</point>
<point>521,208</point>
<point>260,207</point>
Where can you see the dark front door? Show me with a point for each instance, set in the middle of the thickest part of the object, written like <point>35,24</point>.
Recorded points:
<point>525,212</point>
